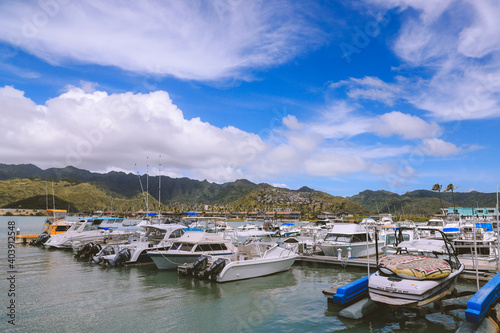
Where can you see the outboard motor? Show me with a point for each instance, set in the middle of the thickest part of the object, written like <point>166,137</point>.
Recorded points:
<point>94,249</point>
<point>215,269</point>
<point>83,250</point>
<point>120,258</point>
<point>88,251</point>
<point>40,240</point>
<point>198,266</point>
<point>108,250</point>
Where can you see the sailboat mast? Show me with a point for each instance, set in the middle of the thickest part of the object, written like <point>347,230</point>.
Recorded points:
<point>147,186</point>
<point>159,189</point>
<point>54,201</point>
<point>47,198</point>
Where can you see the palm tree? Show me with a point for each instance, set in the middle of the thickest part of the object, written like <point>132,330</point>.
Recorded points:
<point>451,188</point>
<point>438,188</point>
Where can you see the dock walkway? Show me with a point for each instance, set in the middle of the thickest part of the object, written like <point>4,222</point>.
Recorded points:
<point>486,270</point>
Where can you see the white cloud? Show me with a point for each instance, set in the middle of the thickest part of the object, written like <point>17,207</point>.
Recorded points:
<point>456,44</point>
<point>96,130</point>
<point>438,147</point>
<point>482,36</point>
<point>292,123</point>
<point>197,39</point>
<point>333,165</point>
<point>93,130</point>
<point>405,125</point>
<point>370,88</point>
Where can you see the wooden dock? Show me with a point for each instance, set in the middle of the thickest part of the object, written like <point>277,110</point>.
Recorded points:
<point>344,262</point>
<point>486,270</point>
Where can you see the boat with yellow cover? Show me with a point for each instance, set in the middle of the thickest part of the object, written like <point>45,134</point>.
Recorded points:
<point>422,271</point>
<point>57,224</point>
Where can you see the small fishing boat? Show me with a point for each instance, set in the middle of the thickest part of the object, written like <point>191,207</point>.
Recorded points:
<point>288,230</point>
<point>57,224</point>
<point>253,259</point>
<point>420,272</point>
<point>189,247</point>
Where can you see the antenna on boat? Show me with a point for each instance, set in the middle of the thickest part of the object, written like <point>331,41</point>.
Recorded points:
<point>147,186</point>
<point>54,201</point>
<point>47,198</point>
<point>140,182</point>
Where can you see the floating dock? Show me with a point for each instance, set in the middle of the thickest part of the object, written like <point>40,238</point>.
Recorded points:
<point>24,239</point>
<point>486,270</point>
<point>482,312</point>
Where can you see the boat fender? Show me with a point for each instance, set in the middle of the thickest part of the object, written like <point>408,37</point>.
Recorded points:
<point>215,269</point>
<point>198,266</point>
<point>121,257</point>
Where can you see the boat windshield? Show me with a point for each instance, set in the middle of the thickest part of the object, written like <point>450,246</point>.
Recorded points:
<point>338,238</point>
<point>77,226</point>
<point>210,247</point>
<point>89,227</point>
<point>435,224</point>
<point>182,247</point>
<point>391,238</point>
<point>357,238</point>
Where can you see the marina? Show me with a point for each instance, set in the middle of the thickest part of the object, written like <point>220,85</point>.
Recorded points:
<point>288,301</point>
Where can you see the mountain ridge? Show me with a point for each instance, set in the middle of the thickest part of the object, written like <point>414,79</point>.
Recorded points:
<point>124,189</point>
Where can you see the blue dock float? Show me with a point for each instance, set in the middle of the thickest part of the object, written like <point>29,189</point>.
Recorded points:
<point>351,291</point>
<point>479,304</point>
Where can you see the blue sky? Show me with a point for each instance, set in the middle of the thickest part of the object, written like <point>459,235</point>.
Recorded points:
<point>340,96</point>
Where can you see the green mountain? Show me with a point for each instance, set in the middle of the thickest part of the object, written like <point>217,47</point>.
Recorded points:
<point>26,185</point>
<point>420,202</point>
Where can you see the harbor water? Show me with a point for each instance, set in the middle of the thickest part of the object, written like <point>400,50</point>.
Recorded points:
<point>53,292</point>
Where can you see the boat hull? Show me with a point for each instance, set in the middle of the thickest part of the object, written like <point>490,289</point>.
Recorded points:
<point>172,261</point>
<point>410,293</point>
<point>247,269</point>
<point>331,249</point>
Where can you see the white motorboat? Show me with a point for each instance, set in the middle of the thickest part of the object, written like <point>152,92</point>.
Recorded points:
<point>86,231</point>
<point>422,271</point>
<point>389,241</point>
<point>134,251</point>
<point>209,224</point>
<point>189,247</point>
<point>253,259</point>
<point>246,231</point>
<point>432,227</point>
<point>477,237</point>
<point>351,239</point>
<point>288,230</point>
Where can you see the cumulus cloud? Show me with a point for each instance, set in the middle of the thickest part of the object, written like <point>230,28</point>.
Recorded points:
<point>292,123</point>
<point>98,131</point>
<point>405,125</point>
<point>438,147</point>
<point>197,40</point>
<point>93,130</point>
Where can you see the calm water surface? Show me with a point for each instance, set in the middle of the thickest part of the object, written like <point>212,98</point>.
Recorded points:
<point>56,293</point>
